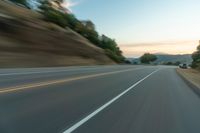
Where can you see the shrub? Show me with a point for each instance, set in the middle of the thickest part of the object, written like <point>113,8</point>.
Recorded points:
<point>113,56</point>
<point>196,58</point>
<point>54,16</point>
<point>147,58</point>
<point>85,28</point>
<point>23,2</point>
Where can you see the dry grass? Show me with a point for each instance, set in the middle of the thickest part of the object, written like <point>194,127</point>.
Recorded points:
<point>28,41</point>
<point>191,75</point>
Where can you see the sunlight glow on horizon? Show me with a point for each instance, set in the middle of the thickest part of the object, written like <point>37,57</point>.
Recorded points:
<point>138,21</point>
<point>181,47</point>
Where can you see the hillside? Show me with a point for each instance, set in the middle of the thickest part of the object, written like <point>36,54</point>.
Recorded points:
<point>186,58</point>
<point>28,41</point>
<point>164,58</point>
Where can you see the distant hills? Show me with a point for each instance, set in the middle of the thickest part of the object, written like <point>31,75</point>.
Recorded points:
<point>186,58</point>
<point>165,58</point>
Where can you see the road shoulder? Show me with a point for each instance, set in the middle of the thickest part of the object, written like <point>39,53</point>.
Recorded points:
<point>191,77</point>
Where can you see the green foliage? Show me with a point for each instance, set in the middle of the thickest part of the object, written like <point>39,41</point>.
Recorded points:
<point>113,50</point>
<point>23,2</point>
<point>85,28</point>
<point>169,63</point>
<point>198,48</point>
<point>107,43</point>
<point>172,63</point>
<point>87,32</point>
<point>72,21</point>
<point>147,58</point>
<point>113,56</point>
<point>128,62</point>
<point>177,63</point>
<point>54,16</point>
<point>196,58</point>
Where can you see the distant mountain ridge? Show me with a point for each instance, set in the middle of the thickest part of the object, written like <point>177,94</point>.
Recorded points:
<point>164,58</point>
<point>185,58</point>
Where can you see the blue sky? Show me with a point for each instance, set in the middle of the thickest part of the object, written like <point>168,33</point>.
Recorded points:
<point>133,22</point>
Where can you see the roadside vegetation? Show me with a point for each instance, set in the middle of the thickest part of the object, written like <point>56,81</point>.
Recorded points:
<point>23,2</point>
<point>148,58</point>
<point>26,40</point>
<point>193,75</point>
<point>172,63</point>
<point>196,58</point>
<point>84,28</point>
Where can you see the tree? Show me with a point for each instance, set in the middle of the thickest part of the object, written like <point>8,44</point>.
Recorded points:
<point>198,48</point>
<point>196,58</point>
<point>55,16</point>
<point>128,62</point>
<point>169,63</point>
<point>84,28</point>
<point>177,63</point>
<point>88,24</point>
<point>23,2</point>
<point>147,58</point>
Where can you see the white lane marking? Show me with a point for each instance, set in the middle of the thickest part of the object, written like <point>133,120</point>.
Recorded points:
<point>84,120</point>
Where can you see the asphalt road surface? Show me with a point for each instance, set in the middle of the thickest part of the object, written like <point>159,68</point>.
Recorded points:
<point>97,99</point>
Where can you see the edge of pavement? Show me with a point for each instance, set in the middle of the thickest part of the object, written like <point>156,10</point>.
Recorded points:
<point>192,84</point>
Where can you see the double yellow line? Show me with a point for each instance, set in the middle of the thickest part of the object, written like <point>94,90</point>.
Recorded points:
<point>34,85</point>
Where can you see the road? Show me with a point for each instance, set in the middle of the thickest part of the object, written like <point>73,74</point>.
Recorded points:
<point>97,99</point>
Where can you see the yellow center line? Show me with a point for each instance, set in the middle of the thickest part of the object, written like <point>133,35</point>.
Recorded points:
<point>34,85</point>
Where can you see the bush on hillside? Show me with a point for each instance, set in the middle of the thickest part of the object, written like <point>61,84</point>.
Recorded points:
<point>172,63</point>
<point>196,58</point>
<point>113,56</point>
<point>23,2</point>
<point>54,16</point>
<point>85,28</point>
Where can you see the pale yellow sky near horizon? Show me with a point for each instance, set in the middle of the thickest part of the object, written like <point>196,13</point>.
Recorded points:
<point>170,47</point>
<point>166,26</point>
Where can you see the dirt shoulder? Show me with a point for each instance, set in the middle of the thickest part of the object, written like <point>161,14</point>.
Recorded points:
<point>192,77</point>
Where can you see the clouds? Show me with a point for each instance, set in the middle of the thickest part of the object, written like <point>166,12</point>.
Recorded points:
<point>170,47</point>
<point>34,4</point>
<point>69,3</point>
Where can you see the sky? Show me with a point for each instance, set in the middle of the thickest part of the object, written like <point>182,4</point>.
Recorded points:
<point>139,26</point>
